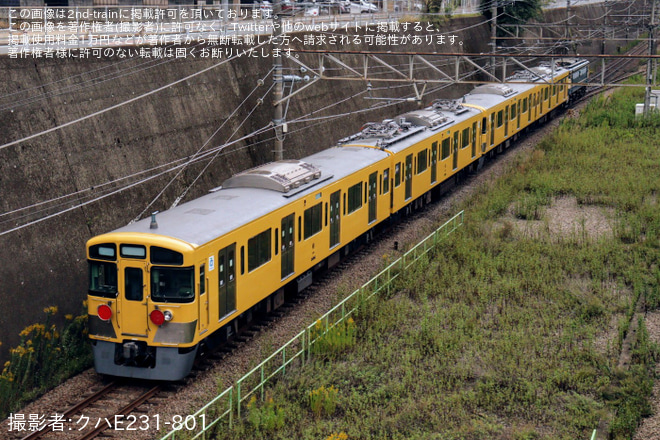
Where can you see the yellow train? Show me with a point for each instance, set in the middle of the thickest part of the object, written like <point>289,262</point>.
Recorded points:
<point>163,289</point>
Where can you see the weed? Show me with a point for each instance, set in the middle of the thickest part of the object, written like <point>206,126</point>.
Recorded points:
<point>46,356</point>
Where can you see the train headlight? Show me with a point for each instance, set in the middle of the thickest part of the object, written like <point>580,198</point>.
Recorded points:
<point>168,315</point>
<point>104,312</point>
<point>157,317</point>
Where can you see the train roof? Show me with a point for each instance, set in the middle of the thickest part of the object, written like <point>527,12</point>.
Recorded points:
<point>225,209</point>
<point>255,193</point>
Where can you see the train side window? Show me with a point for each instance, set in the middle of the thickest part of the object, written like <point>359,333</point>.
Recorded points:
<point>465,137</point>
<point>524,106</point>
<point>474,133</point>
<point>513,111</point>
<point>445,148</point>
<point>422,161</point>
<point>546,94</point>
<point>355,197</point>
<point>397,174</point>
<point>313,220</point>
<point>344,203</point>
<point>366,197</point>
<point>500,118</point>
<point>299,228</point>
<point>277,241</point>
<point>326,215</point>
<point>259,249</point>
<point>484,126</point>
<point>386,181</point>
<point>242,260</point>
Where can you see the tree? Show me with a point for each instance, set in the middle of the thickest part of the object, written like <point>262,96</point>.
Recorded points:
<point>512,12</point>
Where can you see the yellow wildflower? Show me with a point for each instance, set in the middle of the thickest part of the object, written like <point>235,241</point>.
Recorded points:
<point>68,317</point>
<point>50,310</point>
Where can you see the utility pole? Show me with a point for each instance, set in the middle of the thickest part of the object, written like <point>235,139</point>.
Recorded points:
<point>278,89</point>
<point>568,19</point>
<point>493,35</point>
<point>649,64</point>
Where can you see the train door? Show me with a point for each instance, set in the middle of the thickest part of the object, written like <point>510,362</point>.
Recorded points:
<point>454,161</point>
<point>288,242</point>
<point>541,101</point>
<point>506,121</point>
<point>203,303</point>
<point>227,281</point>
<point>373,196</point>
<point>335,219</point>
<point>409,174</point>
<point>133,303</point>
<point>434,162</point>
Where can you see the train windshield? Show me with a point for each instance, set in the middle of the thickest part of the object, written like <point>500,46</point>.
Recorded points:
<point>102,279</point>
<point>172,284</point>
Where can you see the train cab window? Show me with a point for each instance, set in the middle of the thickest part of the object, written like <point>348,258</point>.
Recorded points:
<point>465,137</point>
<point>172,284</point>
<point>422,161</point>
<point>102,279</point>
<point>103,252</point>
<point>397,174</point>
<point>259,250</point>
<point>133,251</point>
<point>500,118</point>
<point>355,197</point>
<point>386,181</point>
<point>446,148</point>
<point>313,222</point>
<point>161,255</point>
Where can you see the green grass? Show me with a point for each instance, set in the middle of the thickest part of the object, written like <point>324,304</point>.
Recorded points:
<point>500,334</point>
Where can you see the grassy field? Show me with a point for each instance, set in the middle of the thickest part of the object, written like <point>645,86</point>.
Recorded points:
<point>513,329</point>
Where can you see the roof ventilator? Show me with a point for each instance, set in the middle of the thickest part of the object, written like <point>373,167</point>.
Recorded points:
<point>493,89</point>
<point>282,176</point>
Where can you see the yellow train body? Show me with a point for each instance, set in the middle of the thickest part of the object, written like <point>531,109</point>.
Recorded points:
<point>160,289</point>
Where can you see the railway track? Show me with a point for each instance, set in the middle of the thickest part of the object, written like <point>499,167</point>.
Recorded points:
<point>616,71</point>
<point>97,412</point>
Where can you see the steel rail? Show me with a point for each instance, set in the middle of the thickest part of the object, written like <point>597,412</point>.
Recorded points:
<point>73,410</point>
<point>122,412</point>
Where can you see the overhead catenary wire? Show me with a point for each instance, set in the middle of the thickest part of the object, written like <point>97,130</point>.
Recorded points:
<point>208,140</point>
<point>123,103</point>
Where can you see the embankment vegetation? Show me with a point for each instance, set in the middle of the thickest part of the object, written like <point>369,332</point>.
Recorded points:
<point>514,327</point>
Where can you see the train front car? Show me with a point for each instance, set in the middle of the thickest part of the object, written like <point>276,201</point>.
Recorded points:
<point>142,305</point>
